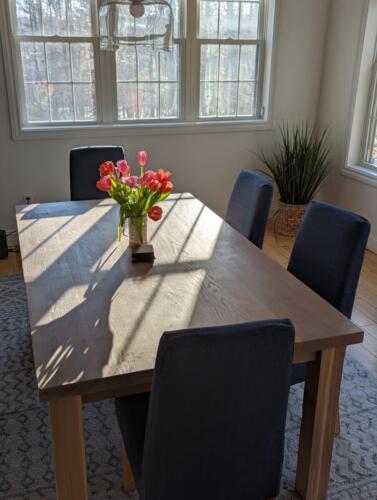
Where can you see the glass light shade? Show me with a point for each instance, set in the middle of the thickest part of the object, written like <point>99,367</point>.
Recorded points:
<point>136,22</point>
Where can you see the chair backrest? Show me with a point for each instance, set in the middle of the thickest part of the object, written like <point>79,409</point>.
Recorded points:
<point>249,205</point>
<point>328,253</point>
<point>84,163</point>
<point>217,413</point>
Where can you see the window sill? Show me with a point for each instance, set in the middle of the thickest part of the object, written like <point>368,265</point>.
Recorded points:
<point>361,174</point>
<point>141,129</point>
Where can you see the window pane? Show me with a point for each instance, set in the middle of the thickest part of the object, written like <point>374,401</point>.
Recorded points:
<point>82,62</point>
<point>54,17</point>
<point>208,100</point>
<point>37,108</point>
<point>176,6</point>
<point>29,17</point>
<point>229,19</point>
<point>126,64</point>
<point>249,20</point>
<point>79,17</point>
<point>58,62</point>
<point>50,94</point>
<point>236,19</point>
<point>229,62</point>
<point>169,65</point>
<point>229,65</point>
<point>127,101</point>
<point>148,100</point>
<point>169,100</point>
<point>246,99</point>
<point>142,76</point>
<point>374,147</point>
<point>33,61</point>
<point>209,19</point>
<point>61,98</point>
<point>84,99</point>
<point>147,64</point>
<point>248,63</point>
<point>209,63</point>
<point>227,105</point>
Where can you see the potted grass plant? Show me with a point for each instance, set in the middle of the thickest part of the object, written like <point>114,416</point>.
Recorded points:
<point>298,166</point>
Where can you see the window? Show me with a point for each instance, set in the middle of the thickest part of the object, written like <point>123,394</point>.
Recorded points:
<point>55,45</point>
<point>214,73</point>
<point>229,54</point>
<point>371,149</point>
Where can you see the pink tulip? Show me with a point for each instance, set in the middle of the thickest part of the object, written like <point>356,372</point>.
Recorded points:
<point>123,169</point>
<point>104,184</point>
<point>147,177</point>
<point>142,158</point>
<point>132,181</point>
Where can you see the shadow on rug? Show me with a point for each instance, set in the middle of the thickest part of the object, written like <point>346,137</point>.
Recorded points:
<point>25,447</point>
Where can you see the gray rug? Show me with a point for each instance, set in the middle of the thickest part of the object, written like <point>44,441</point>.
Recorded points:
<point>25,448</point>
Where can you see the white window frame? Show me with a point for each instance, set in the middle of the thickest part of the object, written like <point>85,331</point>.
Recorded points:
<point>107,123</point>
<point>371,127</point>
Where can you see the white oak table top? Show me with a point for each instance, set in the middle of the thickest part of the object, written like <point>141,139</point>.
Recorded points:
<point>96,318</point>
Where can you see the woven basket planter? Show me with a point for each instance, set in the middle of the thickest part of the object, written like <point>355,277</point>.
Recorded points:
<point>289,218</point>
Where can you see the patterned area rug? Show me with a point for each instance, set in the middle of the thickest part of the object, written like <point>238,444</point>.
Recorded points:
<point>25,449</point>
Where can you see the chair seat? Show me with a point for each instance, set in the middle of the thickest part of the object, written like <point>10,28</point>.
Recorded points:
<point>132,412</point>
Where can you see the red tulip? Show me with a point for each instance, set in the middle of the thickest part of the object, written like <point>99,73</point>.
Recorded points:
<point>142,158</point>
<point>104,184</point>
<point>106,168</point>
<point>155,213</point>
<point>163,175</point>
<point>154,185</point>
<point>167,187</point>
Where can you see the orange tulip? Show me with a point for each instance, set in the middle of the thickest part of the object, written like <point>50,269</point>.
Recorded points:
<point>163,175</point>
<point>167,187</point>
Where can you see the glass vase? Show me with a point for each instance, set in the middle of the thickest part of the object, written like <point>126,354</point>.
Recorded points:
<point>137,231</point>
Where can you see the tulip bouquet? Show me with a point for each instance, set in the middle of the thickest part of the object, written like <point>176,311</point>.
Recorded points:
<point>137,195</point>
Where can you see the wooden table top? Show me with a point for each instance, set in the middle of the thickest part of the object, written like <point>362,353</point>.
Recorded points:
<point>96,318</point>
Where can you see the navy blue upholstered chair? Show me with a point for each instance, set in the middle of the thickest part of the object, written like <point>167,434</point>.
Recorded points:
<point>213,425</point>
<point>327,256</point>
<point>249,205</point>
<point>84,163</point>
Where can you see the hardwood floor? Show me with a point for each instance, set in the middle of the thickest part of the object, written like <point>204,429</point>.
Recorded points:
<point>279,248</point>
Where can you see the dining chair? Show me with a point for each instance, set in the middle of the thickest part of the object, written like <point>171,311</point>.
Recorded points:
<point>327,256</point>
<point>249,206</point>
<point>213,424</point>
<point>84,163</point>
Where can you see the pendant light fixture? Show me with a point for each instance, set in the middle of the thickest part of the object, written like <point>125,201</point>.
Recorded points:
<point>136,22</point>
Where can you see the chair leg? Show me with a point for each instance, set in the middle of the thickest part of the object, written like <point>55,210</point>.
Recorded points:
<point>128,477</point>
<point>337,424</point>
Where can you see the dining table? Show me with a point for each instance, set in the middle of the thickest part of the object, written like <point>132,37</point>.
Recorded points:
<point>96,318</point>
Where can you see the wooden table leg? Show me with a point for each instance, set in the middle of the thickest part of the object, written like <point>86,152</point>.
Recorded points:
<point>320,408</point>
<point>68,448</point>
<point>128,477</point>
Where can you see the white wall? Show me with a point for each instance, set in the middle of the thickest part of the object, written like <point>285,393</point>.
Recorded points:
<point>206,165</point>
<point>345,31</point>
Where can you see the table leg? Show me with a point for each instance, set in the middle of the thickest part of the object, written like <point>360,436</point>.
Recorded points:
<point>68,448</point>
<point>128,477</point>
<point>321,400</point>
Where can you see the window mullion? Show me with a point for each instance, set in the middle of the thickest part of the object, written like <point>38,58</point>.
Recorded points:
<point>192,66</point>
